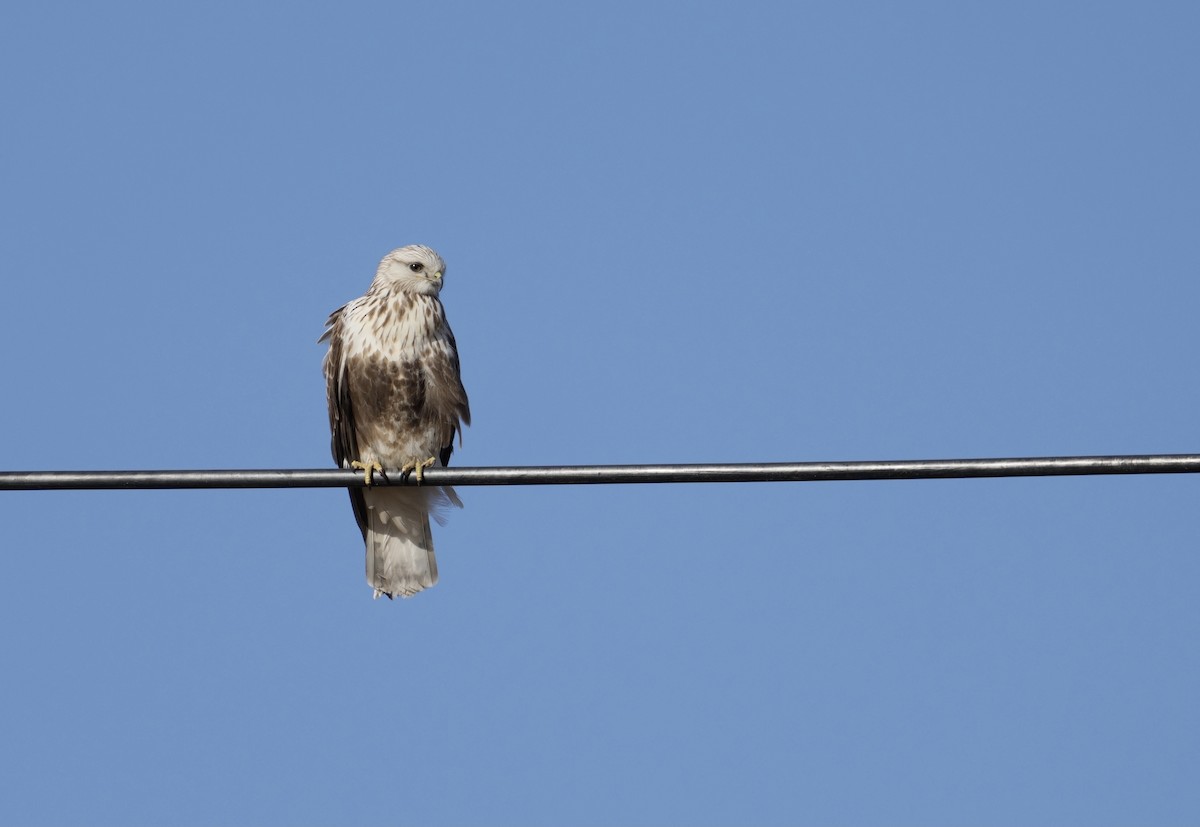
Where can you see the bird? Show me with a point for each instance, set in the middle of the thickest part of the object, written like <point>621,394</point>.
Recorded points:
<point>396,401</point>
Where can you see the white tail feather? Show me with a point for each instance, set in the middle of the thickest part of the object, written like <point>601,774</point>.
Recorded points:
<point>400,557</point>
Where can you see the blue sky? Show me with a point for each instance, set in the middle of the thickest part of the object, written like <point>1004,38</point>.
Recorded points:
<point>706,232</point>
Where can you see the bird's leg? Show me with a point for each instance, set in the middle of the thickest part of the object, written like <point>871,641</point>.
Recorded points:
<point>417,467</point>
<point>368,470</point>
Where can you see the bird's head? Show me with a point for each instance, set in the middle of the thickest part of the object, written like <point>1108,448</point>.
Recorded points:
<point>413,269</point>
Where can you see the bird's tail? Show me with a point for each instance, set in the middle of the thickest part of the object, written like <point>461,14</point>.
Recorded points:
<point>400,557</point>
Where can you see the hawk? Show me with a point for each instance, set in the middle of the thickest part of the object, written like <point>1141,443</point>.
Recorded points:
<point>396,401</point>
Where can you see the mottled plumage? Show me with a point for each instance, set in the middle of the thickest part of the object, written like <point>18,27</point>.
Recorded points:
<point>396,400</point>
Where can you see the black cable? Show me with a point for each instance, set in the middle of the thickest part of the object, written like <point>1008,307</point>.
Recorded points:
<point>610,474</point>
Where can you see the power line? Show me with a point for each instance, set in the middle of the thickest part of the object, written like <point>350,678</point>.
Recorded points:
<point>616,474</point>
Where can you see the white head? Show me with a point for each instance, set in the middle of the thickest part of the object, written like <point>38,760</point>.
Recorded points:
<point>413,269</point>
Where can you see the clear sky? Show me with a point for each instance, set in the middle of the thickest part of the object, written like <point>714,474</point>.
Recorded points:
<point>675,232</point>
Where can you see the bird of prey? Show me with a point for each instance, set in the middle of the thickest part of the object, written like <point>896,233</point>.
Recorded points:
<point>396,401</point>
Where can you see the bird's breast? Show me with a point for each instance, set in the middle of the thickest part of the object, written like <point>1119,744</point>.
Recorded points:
<point>388,345</point>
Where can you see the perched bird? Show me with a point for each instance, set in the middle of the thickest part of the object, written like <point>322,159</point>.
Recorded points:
<point>396,401</point>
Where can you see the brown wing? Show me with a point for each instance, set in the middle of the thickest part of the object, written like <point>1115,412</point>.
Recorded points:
<point>446,376</point>
<point>343,437</point>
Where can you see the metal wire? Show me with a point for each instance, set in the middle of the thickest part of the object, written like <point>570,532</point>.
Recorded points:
<point>610,474</point>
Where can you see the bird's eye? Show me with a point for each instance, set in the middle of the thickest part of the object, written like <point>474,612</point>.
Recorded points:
<point>416,267</point>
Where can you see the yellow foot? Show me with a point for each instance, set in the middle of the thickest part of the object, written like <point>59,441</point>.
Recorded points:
<point>417,467</point>
<point>368,470</point>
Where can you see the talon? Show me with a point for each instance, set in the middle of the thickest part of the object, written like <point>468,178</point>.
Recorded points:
<point>368,470</point>
<point>417,468</point>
